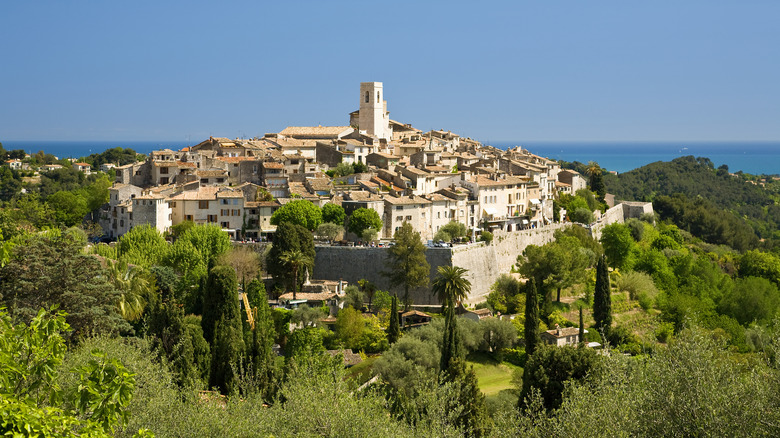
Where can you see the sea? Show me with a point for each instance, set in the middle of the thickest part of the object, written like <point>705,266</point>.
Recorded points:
<point>749,156</point>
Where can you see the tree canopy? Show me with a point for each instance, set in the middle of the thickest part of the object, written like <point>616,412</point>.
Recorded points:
<point>407,265</point>
<point>363,219</point>
<point>298,212</point>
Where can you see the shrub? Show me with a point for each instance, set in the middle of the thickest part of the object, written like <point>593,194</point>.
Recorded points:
<point>664,332</point>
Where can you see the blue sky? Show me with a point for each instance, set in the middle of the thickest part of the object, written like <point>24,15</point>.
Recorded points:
<point>519,70</point>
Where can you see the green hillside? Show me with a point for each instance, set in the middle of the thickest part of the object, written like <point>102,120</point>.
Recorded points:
<point>693,194</point>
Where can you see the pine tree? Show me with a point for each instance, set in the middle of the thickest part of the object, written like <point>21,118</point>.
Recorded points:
<point>602,299</point>
<point>408,266</point>
<point>532,338</point>
<point>394,331</point>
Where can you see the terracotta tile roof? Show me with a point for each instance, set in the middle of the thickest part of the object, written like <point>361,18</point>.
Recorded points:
<point>406,200</point>
<point>509,180</point>
<point>313,130</point>
<point>564,331</point>
<point>415,313</point>
<point>272,165</point>
<point>308,296</point>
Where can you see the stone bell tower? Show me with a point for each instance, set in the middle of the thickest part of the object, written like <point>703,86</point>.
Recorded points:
<point>373,119</point>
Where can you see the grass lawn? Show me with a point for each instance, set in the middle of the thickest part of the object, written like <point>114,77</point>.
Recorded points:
<point>493,376</point>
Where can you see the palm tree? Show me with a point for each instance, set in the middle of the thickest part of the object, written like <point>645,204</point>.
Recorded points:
<point>134,286</point>
<point>592,168</point>
<point>295,259</point>
<point>451,285</point>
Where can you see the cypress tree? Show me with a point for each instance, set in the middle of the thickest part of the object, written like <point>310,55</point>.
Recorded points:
<point>450,351</point>
<point>222,326</point>
<point>532,338</point>
<point>226,351</point>
<point>602,299</point>
<point>582,328</point>
<point>263,362</point>
<point>394,331</point>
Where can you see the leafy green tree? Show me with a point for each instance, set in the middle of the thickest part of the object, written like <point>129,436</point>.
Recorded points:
<point>304,343</point>
<point>502,294</point>
<point>33,404</point>
<point>602,299</point>
<point>756,263</point>
<point>363,219</point>
<point>330,231</point>
<point>49,269</point>
<point>298,212</point>
<point>182,227</point>
<point>581,215</point>
<point>349,328</point>
<point>333,213</point>
<point>407,264</point>
<point>618,245</point>
<point>394,331</point>
<point>143,246</point>
<point>344,169</point>
<point>244,260</point>
<point>752,299</point>
<point>353,297</point>
<point>531,332</point>
<point>452,230</point>
<point>497,334</point>
<point>210,242</point>
<point>551,367</point>
<point>596,180</point>
<point>68,207</point>
<point>288,237</point>
<point>370,235</point>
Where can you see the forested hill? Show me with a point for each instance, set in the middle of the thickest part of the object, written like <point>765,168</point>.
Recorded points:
<point>701,192</point>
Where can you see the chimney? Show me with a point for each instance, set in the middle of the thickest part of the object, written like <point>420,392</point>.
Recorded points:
<point>557,329</point>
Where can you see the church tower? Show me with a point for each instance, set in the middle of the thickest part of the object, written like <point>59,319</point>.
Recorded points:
<point>374,120</point>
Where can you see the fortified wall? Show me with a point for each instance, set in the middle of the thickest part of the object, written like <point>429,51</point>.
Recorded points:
<point>485,263</point>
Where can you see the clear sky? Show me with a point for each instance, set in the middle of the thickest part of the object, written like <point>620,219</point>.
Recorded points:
<point>517,70</point>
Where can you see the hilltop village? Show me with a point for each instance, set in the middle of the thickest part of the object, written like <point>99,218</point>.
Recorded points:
<point>425,178</point>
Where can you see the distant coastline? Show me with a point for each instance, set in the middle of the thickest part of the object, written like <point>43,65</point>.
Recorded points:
<point>749,156</point>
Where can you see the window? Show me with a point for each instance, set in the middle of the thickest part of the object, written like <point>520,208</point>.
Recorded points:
<point>131,216</point>
<point>211,218</point>
<point>188,217</point>
<point>254,169</point>
<point>408,218</point>
<point>236,213</point>
<point>423,215</point>
<point>224,201</point>
<point>224,224</point>
<point>121,222</point>
<point>377,97</point>
<point>438,215</point>
<point>224,212</point>
<point>399,207</point>
<point>368,97</point>
<point>235,201</point>
<point>163,171</point>
<point>164,180</point>
<point>203,205</point>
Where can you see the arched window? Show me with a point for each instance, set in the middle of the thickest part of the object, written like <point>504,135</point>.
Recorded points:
<point>377,97</point>
<point>368,96</point>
